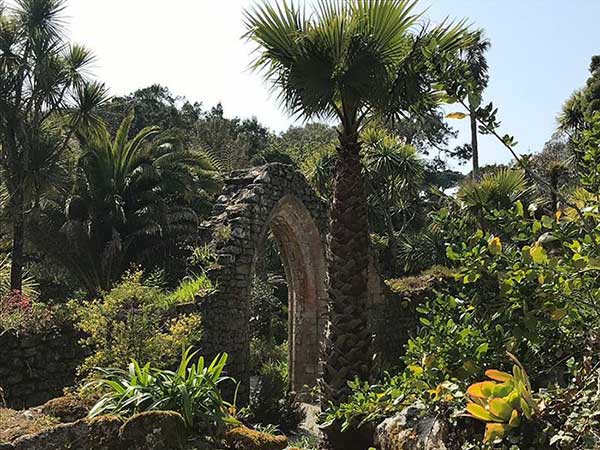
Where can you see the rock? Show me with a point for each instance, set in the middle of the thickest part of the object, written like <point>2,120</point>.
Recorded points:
<point>68,408</point>
<point>153,430</point>
<point>242,438</point>
<point>411,430</point>
<point>101,433</point>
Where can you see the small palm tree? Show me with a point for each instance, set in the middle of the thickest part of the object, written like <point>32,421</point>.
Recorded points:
<point>349,61</point>
<point>496,190</point>
<point>44,98</point>
<point>132,197</point>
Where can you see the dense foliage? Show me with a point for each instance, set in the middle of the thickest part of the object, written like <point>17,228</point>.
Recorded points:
<point>133,321</point>
<point>193,390</point>
<point>101,201</point>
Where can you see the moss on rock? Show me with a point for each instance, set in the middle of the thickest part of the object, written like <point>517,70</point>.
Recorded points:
<point>242,438</point>
<point>68,408</point>
<point>153,430</point>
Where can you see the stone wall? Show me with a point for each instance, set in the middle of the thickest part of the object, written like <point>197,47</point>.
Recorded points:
<point>273,198</point>
<point>36,367</point>
<point>393,313</point>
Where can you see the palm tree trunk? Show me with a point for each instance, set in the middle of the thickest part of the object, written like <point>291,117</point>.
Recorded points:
<point>474,145</point>
<point>18,239</point>
<point>348,340</point>
<point>392,243</point>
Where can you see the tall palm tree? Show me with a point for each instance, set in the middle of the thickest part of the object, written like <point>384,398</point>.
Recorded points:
<point>43,84</point>
<point>349,61</point>
<point>476,77</point>
<point>132,197</point>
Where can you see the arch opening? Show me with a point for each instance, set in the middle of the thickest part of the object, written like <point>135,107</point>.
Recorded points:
<point>303,259</point>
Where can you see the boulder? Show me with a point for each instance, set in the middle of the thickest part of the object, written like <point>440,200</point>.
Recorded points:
<point>411,429</point>
<point>242,438</point>
<point>68,408</point>
<point>153,430</point>
<point>101,433</point>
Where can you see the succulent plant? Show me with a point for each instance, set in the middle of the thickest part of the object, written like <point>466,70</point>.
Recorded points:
<point>502,401</point>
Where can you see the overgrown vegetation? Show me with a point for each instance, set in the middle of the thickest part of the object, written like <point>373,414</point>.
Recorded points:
<point>101,201</point>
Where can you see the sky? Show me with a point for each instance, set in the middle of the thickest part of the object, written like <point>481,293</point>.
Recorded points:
<point>540,53</point>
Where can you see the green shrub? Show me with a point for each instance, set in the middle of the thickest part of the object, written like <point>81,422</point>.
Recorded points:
<point>370,403</point>
<point>271,402</point>
<point>263,352</point>
<point>19,314</point>
<point>192,390</point>
<point>132,322</point>
<point>192,286</point>
<point>268,319</point>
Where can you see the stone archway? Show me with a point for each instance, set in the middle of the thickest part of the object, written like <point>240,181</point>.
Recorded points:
<point>278,198</point>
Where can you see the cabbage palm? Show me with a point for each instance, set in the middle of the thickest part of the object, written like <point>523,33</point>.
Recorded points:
<point>477,78</point>
<point>132,197</point>
<point>350,62</point>
<point>394,175</point>
<point>44,98</point>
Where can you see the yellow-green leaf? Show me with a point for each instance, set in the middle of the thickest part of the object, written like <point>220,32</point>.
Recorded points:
<point>479,412</point>
<point>558,313</point>
<point>503,390</point>
<point>482,389</point>
<point>538,254</point>
<point>495,245</point>
<point>498,375</point>
<point>515,419</point>
<point>500,408</point>
<point>494,431</point>
<point>456,115</point>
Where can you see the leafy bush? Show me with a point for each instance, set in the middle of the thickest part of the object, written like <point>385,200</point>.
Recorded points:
<point>18,313</point>
<point>370,403</point>
<point>268,321</point>
<point>132,322</point>
<point>263,352</point>
<point>192,390</point>
<point>192,286</point>
<point>271,402</point>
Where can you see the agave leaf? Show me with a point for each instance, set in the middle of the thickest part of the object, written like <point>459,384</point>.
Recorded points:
<point>526,409</point>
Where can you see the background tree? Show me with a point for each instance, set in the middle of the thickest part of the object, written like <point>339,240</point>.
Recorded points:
<point>44,98</point>
<point>133,200</point>
<point>578,111</point>
<point>154,105</point>
<point>349,61</point>
<point>476,79</point>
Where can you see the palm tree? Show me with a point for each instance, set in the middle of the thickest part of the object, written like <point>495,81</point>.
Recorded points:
<point>476,78</point>
<point>393,174</point>
<point>44,98</point>
<point>133,197</point>
<point>497,190</point>
<point>350,61</point>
